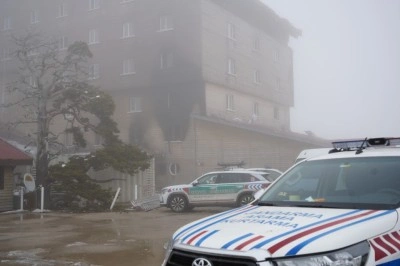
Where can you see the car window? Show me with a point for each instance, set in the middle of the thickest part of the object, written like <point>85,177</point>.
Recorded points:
<point>226,178</point>
<point>208,179</point>
<point>360,181</point>
<point>235,178</point>
<point>247,178</point>
<point>272,175</point>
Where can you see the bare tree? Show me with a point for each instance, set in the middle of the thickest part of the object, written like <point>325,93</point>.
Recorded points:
<point>55,85</point>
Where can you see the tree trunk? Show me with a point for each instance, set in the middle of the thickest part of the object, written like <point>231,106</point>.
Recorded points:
<point>42,154</point>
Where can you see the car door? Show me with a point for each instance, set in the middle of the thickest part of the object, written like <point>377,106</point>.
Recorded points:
<point>203,189</point>
<point>228,186</point>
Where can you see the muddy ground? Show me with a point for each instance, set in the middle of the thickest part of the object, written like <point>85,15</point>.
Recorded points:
<point>110,238</point>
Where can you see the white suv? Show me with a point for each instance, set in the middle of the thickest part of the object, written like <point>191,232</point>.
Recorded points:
<point>235,187</point>
<point>342,208</point>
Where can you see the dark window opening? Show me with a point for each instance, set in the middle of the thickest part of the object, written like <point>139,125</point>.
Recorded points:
<point>176,133</point>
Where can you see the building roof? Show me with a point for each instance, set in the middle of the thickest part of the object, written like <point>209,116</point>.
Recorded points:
<point>10,155</point>
<point>260,15</point>
<point>288,135</point>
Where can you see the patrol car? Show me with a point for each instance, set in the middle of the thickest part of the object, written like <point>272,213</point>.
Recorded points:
<point>234,187</point>
<point>341,208</point>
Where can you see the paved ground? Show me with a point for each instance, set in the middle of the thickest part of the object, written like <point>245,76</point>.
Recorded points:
<point>112,238</point>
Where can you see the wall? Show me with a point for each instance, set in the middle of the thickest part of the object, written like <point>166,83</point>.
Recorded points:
<point>139,186</point>
<point>210,142</point>
<point>6,195</point>
<point>272,58</point>
<point>243,108</point>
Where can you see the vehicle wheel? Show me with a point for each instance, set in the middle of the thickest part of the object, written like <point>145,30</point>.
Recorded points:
<point>178,203</point>
<point>245,199</point>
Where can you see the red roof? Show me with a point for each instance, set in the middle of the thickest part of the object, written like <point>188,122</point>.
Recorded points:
<point>10,155</point>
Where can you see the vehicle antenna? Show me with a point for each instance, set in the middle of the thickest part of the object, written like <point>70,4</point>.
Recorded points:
<point>360,149</point>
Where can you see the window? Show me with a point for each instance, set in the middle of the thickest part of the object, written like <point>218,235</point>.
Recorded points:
<point>62,10</point>
<point>94,4</point>
<point>127,30</point>
<point>93,36</point>
<point>208,179</point>
<point>277,83</point>
<point>7,23</point>
<point>276,55</point>
<point>2,178</point>
<point>166,23</point>
<point>32,82</point>
<point>235,178</point>
<point>231,67</point>
<point>34,16</point>
<point>257,78</point>
<point>276,113</point>
<point>169,99</point>
<point>94,71</point>
<point>230,103</point>
<point>135,104</point>
<point>166,60</point>
<point>256,110</point>
<point>231,31</point>
<point>175,132</point>
<point>69,139</point>
<point>128,67</point>
<point>2,96</point>
<point>62,43</point>
<point>256,44</point>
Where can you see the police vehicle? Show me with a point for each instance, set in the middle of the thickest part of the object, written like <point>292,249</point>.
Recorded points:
<point>341,208</point>
<point>219,188</point>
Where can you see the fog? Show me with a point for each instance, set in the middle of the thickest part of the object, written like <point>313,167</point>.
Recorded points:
<point>346,66</point>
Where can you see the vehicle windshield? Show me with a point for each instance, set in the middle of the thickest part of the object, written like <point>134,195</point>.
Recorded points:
<point>357,183</point>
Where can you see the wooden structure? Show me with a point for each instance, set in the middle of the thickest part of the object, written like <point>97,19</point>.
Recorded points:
<point>10,157</point>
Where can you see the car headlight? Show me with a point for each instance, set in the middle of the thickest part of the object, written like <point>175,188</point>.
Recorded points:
<point>356,255</point>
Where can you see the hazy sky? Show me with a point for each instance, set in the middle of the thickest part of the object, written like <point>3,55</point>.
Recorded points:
<point>346,66</point>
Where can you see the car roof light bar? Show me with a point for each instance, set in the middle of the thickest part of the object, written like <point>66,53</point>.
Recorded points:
<point>362,143</point>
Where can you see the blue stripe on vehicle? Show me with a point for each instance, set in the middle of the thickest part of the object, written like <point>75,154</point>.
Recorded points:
<point>390,263</point>
<point>227,245</point>
<point>214,222</point>
<point>205,237</point>
<point>243,209</point>
<point>259,245</point>
<point>297,248</point>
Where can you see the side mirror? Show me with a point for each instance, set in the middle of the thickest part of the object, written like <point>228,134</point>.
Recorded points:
<point>195,183</point>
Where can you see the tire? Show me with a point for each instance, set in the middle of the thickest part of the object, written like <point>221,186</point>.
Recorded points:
<point>178,203</point>
<point>245,199</point>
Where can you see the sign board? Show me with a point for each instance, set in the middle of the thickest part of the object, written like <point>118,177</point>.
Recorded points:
<point>29,182</point>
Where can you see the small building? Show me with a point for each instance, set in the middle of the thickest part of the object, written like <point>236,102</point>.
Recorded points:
<point>10,157</point>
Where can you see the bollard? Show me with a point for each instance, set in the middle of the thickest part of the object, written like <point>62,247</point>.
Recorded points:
<point>21,193</point>
<point>41,198</point>
<point>136,190</point>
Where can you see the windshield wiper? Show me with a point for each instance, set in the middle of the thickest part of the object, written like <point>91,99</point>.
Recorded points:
<point>315,206</point>
<point>263,203</point>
